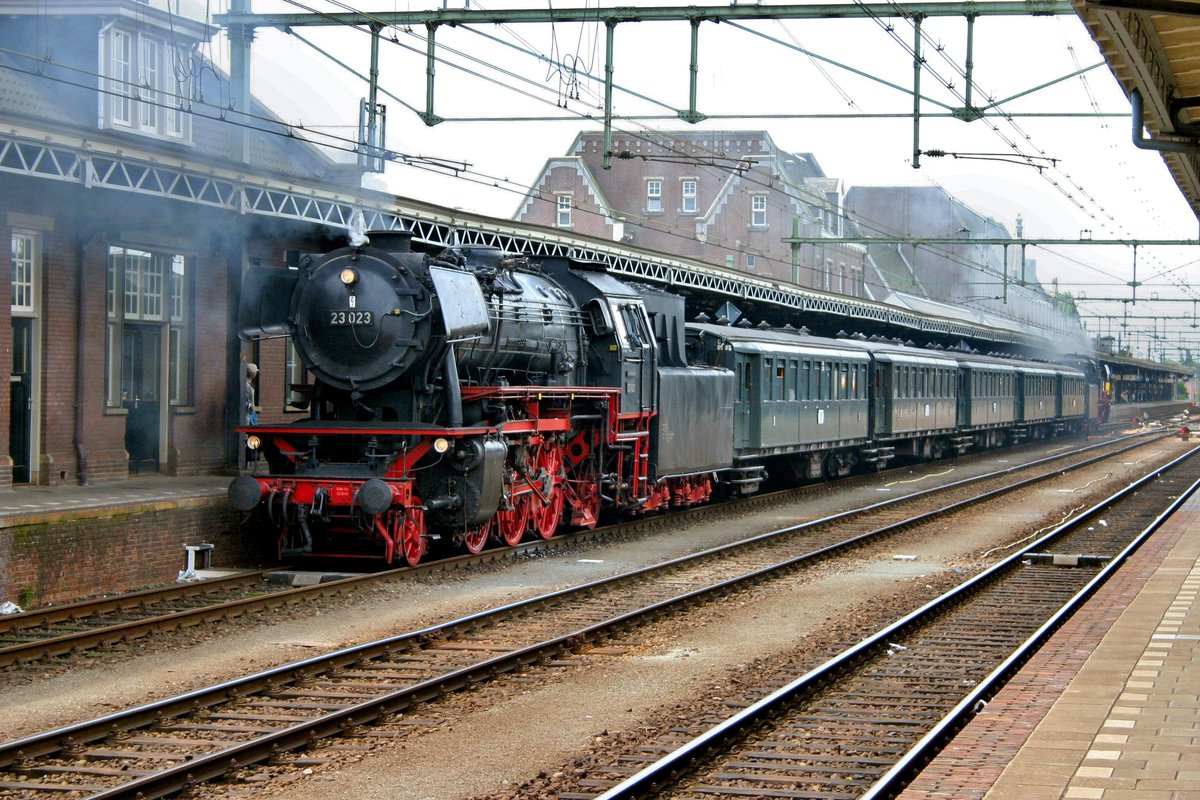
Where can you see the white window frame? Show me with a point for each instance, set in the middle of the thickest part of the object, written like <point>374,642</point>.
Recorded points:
<point>179,305</point>
<point>564,203</point>
<point>155,286</point>
<point>177,119</point>
<point>294,372</point>
<point>654,195</point>
<point>758,211</point>
<point>149,69</point>
<point>26,255</point>
<point>146,85</point>
<point>120,78</point>
<point>688,195</point>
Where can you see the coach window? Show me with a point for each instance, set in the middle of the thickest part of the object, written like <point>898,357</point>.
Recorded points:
<point>793,380</point>
<point>805,377</point>
<point>768,383</point>
<point>826,381</point>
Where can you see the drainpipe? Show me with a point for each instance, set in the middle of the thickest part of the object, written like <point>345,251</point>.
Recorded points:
<point>81,341</point>
<point>1139,141</point>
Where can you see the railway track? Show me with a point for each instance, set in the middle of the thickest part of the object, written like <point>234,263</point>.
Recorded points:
<point>75,628</point>
<point>864,723</point>
<point>162,747</point>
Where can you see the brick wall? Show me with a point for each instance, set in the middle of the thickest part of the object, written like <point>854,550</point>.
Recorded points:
<point>59,463</point>
<point>75,245</point>
<point>59,558</point>
<point>197,443</point>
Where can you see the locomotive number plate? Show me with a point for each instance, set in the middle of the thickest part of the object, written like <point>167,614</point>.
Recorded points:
<point>339,318</point>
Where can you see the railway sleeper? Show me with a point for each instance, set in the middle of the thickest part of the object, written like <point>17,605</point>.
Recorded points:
<point>1067,559</point>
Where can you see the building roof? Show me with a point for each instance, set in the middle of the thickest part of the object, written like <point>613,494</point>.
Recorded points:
<point>1155,53</point>
<point>586,177</point>
<point>52,93</point>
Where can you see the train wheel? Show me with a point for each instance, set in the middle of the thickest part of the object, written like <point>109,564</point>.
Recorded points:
<point>548,513</point>
<point>546,516</point>
<point>413,533</point>
<point>511,525</point>
<point>473,541</point>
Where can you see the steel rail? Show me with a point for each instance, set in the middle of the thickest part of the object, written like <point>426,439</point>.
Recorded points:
<point>919,755</point>
<point>165,781</point>
<point>656,776</point>
<point>127,601</point>
<point>82,640</point>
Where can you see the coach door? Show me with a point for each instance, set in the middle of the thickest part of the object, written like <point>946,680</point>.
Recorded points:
<point>141,373</point>
<point>20,426</point>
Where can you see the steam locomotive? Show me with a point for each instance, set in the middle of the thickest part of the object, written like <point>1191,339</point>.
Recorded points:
<point>469,396</point>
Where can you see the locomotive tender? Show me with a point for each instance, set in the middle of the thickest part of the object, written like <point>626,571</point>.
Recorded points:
<point>470,396</point>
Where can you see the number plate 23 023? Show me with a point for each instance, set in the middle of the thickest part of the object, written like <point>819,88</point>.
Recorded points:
<point>340,318</point>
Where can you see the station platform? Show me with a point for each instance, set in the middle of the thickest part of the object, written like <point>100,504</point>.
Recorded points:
<point>25,504</point>
<point>1109,708</point>
<point>64,543</point>
<point>1128,412</point>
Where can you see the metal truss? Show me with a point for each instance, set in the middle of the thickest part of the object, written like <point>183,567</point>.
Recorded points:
<point>82,163</point>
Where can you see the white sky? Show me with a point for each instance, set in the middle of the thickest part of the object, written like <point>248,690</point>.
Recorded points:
<point>1100,181</point>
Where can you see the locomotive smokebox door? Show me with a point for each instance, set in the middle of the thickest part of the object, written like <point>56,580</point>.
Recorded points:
<point>464,311</point>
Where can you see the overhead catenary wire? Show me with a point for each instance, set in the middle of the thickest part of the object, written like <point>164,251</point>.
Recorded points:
<point>348,145</point>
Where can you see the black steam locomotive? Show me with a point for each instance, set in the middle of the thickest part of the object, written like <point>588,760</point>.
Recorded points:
<point>468,396</point>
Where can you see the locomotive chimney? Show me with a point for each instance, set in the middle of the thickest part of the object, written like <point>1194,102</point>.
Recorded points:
<point>392,241</point>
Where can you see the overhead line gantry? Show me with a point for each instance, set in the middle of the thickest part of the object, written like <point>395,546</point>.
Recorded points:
<point>241,25</point>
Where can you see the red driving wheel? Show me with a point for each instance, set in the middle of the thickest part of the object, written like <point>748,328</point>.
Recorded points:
<point>413,542</point>
<point>511,525</point>
<point>474,540</point>
<point>548,513</point>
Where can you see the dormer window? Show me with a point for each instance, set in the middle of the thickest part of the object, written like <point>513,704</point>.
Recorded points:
<point>147,85</point>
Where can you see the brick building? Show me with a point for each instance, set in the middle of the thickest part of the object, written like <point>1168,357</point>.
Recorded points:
<point>132,205</point>
<point>727,198</point>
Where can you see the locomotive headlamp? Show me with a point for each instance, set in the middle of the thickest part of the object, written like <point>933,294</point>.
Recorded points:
<point>253,442</point>
<point>349,276</point>
<point>441,444</point>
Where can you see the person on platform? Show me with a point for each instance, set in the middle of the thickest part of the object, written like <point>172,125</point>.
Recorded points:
<point>248,391</point>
